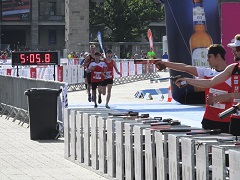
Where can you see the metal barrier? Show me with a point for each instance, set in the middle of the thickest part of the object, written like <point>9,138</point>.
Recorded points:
<point>13,101</point>
<point>124,148</point>
<point>15,113</point>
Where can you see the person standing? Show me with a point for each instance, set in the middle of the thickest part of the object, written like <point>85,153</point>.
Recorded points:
<point>143,55</point>
<point>216,59</point>
<point>114,56</point>
<point>231,71</point>
<point>151,54</point>
<point>3,57</point>
<point>98,69</point>
<point>135,57</point>
<point>165,56</point>
<point>109,75</point>
<point>69,55</point>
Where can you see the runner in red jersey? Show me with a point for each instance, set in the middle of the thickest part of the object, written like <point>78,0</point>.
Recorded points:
<point>88,59</point>
<point>97,69</point>
<point>109,75</point>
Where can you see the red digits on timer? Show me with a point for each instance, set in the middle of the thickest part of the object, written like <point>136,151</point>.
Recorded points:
<point>35,58</point>
<point>32,58</point>
<point>47,58</point>
<point>22,57</point>
<point>38,59</point>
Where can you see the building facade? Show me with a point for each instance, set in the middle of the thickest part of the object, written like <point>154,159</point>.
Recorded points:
<point>55,25</point>
<point>44,24</point>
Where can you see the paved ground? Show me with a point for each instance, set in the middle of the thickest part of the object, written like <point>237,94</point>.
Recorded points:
<point>122,94</point>
<point>22,158</point>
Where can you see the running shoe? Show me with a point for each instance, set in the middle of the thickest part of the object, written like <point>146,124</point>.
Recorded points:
<point>89,98</point>
<point>99,99</point>
<point>107,107</point>
<point>95,105</point>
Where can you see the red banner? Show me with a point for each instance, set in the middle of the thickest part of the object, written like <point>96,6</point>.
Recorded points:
<point>150,38</point>
<point>9,72</point>
<point>33,73</point>
<point>60,73</point>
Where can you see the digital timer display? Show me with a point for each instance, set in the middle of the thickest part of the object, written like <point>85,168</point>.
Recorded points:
<point>35,58</point>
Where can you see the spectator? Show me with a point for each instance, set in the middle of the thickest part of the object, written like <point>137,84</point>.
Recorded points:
<point>70,55</point>
<point>165,56</point>
<point>73,55</point>
<point>128,55</point>
<point>114,56</point>
<point>151,54</point>
<point>143,55</point>
<point>3,57</point>
<point>135,56</point>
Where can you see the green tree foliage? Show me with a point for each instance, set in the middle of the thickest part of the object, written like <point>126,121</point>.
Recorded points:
<point>125,20</point>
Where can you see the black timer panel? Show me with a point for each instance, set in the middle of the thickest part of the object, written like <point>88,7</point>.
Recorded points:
<point>36,58</point>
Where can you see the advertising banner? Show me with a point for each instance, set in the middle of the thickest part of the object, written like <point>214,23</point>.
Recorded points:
<point>230,26</point>
<point>183,19</point>
<point>16,10</point>
<point>33,73</point>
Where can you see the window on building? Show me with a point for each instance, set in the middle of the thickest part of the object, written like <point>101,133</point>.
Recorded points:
<point>42,8</point>
<point>52,8</point>
<point>52,36</point>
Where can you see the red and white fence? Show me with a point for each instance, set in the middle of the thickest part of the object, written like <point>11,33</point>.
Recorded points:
<point>71,72</point>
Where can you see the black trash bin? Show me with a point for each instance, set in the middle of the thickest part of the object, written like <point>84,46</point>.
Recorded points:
<point>42,108</point>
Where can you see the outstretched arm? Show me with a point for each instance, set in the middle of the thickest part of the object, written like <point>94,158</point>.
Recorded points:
<point>180,67</point>
<point>208,83</point>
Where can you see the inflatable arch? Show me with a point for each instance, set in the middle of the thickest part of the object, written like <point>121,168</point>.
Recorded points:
<point>179,27</point>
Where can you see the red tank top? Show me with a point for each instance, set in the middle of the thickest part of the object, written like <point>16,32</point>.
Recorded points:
<point>97,73</point>
<point>235,78</point>
<point>212,111</point>
<point>109,72</point>
<point>91,59</point>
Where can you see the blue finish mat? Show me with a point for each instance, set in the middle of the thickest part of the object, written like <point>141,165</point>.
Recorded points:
<point>141,93</point>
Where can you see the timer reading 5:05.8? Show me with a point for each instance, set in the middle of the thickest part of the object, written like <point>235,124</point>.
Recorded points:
<point>32,58</point>
<point>35,58</point>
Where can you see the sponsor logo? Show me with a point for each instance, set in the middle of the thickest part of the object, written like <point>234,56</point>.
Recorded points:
<point>236,89</point>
